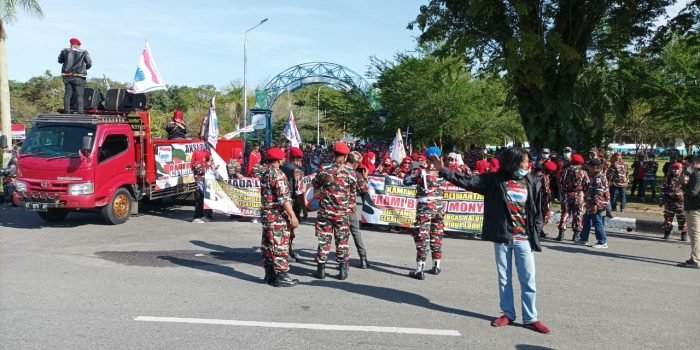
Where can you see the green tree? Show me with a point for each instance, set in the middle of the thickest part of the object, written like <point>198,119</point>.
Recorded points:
<point>541,46</point>
<point>8,13</point>
<point>443,104</point>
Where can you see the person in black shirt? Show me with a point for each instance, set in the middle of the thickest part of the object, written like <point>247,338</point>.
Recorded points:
<point>76,62</point>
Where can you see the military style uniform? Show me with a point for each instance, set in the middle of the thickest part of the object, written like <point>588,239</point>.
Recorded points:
<point>336,182</point>
<point>233,168</point>
<point>574,182</point>
<point>295,176</point>
<point>672,199</point>
<point>650,168</point>
<point>258,170</point>
<point>618,176</point>
<point>430,211</point>
<point>274,192</point>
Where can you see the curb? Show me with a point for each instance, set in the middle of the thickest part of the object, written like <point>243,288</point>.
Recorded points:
<point>628,224</point>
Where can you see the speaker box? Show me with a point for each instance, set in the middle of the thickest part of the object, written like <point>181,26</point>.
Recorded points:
<point>93,99</point>
<point>120,100</point>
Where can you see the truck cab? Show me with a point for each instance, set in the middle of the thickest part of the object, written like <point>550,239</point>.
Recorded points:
<point>78,162</point>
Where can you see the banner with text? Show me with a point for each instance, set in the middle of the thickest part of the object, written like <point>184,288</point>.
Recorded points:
<point>173,163</point>
<point>394,204</point>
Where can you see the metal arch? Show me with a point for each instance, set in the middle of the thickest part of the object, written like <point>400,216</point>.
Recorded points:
<point>311,73</point>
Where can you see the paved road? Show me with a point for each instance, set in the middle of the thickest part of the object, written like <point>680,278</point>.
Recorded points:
<point>83,285</point>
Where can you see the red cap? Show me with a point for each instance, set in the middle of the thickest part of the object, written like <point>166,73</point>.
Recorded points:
<point>576,159</point>
<point>677,166</point>
<point>341,148</point>
<point>550,166</point>
<point>296,152</point>
<point>74,41</point>
<point>274,154</point>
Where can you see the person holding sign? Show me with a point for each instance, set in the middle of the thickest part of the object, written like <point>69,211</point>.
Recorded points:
<point>430,211</point>
<point>512,221</point>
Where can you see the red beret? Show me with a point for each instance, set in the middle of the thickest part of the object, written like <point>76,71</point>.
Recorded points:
<point>341,148</point>
<point>550,166</point>
<point>677,166</point>
<point>296,152</point>
<point>274,154</point>
<point>74,41</point>
<point>576,159</point>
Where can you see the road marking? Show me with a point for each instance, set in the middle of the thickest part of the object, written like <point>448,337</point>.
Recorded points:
<point>332,327</point>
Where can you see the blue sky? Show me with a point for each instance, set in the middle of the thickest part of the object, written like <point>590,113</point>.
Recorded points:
<point>201,42</point>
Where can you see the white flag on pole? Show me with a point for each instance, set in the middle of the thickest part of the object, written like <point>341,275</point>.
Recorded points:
<point>290,131</point>
<point>213,125</point>
<point>147,77</point>
<point>397,152</point>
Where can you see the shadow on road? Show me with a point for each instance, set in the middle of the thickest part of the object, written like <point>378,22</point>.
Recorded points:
<point>307,257</point>
<point>395,296</point>
<point>531,347</point>
<point>591,251</point>
<point>209,267</point>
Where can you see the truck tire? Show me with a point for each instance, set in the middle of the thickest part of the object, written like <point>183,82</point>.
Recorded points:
<point>53,214</point>
<point>118,209</point>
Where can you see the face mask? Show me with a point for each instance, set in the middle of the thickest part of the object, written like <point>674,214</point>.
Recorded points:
<point>689,169</point>
<point>545,155</point>
<point>567,155</point>
<point>521,173</point>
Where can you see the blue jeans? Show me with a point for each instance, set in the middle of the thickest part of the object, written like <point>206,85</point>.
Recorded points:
<point>615,193</point>
<point>525,264</point>
<point>596,220</point>
<point>651,183</point>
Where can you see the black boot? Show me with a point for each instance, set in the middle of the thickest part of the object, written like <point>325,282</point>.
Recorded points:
<point>560,236</point>
<point>282,279</point>
<point>269,273</point>
<point>667,234</point>
<point>684,237</point>
<point>320,271</point>
<point>576,237</point>
<point>363,262</point>
<point>435,270</point>
<point>292,254</point>
<point>343,267</point>
<point>420,275</point>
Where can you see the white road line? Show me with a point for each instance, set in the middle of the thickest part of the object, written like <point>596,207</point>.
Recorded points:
<point>445,332</point>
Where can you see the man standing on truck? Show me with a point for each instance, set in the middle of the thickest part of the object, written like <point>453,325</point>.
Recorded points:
<point>76,62</point>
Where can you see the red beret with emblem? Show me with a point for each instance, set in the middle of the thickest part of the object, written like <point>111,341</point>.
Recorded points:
<point>341,148</point>
<point>274,154</point>
<point>576,159</point>
<point>296,152</point>
<point>550,166</point>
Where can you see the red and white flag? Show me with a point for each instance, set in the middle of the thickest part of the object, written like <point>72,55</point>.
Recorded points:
<point>290,131</point>
<point>147,77</point>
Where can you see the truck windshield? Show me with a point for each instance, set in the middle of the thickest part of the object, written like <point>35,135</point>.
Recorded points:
<point>56,141</point>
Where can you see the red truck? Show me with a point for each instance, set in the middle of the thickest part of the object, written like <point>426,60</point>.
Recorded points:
<point>99,162</point>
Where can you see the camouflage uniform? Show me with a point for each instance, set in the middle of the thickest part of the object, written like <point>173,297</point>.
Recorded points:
<point>274,192</point>
<point>430,211</point>
<point>295,177</point>
<point>650,168</point>
<point>233,168</point>
<point>672,198</point>
<point>574,182</point>
<point>258,170</point>
<point>336,182</point>
<point>618,177</point>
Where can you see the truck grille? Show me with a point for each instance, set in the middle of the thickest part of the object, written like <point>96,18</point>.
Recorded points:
<point>44,188</point>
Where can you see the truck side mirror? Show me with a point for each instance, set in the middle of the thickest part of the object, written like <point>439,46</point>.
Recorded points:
<point>3,141</point>
<point>87,144</point>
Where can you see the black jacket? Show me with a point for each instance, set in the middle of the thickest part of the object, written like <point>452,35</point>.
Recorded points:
<point>497,226</point>
<point>692,192</point>
<point>75,62</point>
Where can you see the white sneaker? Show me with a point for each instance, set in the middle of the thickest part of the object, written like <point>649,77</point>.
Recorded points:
<point>600,246</point>
<point>198,221</point>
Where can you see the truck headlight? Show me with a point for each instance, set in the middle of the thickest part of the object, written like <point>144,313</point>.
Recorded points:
<point>81,189</point>
<point>20,186</point>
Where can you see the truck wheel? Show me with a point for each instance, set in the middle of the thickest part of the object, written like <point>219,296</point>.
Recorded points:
<point>118,209</point>
<point>53,214</point>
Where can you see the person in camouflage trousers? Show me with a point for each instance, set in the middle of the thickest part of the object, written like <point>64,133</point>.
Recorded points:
<point>333,184</point>
<point>277,217</point>
<point>573,183</point>
<point>618,177</point>
<point>650,169</point>
<point>597,199</point>
<point>544,172</point>
<point>295,175</point>
<point>234,167</point>
<point>430,211</point>
<point>672,200</point>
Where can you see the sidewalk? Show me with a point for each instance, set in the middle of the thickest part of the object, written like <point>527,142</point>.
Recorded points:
<point>647,220</point>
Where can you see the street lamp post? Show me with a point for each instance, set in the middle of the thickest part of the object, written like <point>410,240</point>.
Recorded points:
<point>245,85</point>
<point>318,117</point>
